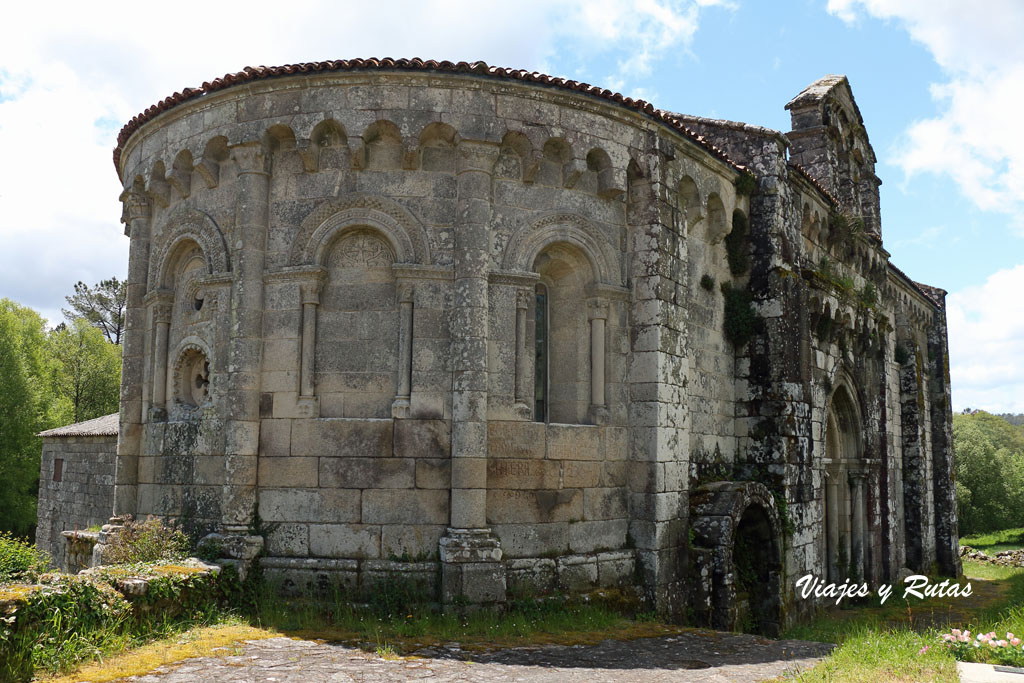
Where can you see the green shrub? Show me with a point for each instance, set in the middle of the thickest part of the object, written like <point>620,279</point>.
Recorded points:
<point>20,560</point>
<point>745,183</point>
<point>68,619</point>
<point>148,541</point>
<point>737,246</point>
<point>740,319</point>
<point>57,625</point>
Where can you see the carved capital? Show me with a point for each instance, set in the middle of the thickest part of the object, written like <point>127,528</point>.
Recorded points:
<point>523,297</point>
<point>597,309</point>
<point>162,312</point>
<point>857,477</point>
<point>310,291</point>
<point>477,156</point>
<point>405,293</point>
<point>251,158</point>
<point>134,206</point>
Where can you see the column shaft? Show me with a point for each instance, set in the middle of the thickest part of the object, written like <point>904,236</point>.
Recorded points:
<point>163,325</point>
<point>469,396</point>
<point>597,362</point>
<point>245,346</point>
<point>832,522</point>
<point>858,549</point>
<point>400,407</point>
<point>522,355</point>
<point>136,216</point>
<point>308,348</point>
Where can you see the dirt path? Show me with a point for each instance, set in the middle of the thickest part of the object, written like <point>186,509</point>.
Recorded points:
<point>700,657</point>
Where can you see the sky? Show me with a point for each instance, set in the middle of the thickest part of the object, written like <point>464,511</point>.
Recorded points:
<point>937,82</point>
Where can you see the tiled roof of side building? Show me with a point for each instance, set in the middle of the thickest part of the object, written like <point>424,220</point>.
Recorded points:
<point>250,73</point>
<point>100,426</point>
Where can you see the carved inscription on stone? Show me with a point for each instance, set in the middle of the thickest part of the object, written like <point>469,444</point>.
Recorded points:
<point>363,250</point>
<point>515,440</point>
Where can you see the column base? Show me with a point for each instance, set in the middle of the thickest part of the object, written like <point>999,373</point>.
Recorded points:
<point>400,407</point>
<point>597,415</point>
<point>472,572</point>
<point>233,549</point>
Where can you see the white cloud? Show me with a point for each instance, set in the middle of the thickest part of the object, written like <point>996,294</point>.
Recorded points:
<point>986,343</point>
<point>974,138</point>
<point>71,73</point>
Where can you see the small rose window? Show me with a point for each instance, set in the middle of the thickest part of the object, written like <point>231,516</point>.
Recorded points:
<point>194,378</point>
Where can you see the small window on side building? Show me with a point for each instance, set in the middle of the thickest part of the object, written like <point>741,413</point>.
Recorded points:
<point>58,469</point>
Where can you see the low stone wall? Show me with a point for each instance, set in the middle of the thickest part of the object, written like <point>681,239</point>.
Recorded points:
<point>532,575</point>
<point>76,489</point>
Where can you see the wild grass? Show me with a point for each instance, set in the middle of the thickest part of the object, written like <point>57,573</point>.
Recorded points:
<point>414,626</point>
<point>996,541</point>
<point>901,641</point>
<point>223,637</point>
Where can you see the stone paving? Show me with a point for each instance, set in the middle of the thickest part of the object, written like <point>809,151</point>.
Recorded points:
<point>703,657</point>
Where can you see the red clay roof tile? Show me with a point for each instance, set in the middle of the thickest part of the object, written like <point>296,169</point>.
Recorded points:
<point>250,73</point>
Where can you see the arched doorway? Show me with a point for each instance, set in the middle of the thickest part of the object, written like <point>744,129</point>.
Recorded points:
<point>737,535</point>
<point>846,539</point>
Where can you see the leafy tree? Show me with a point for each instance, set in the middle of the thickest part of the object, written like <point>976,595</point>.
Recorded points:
<point>25,409</point>
<point>85,372</point>
<point>990,472</point>
<point>101,305</point>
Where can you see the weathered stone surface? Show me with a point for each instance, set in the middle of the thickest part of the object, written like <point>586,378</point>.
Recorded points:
<point>411,299</point>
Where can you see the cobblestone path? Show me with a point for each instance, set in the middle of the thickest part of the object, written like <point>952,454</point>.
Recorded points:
<point>703,657</point>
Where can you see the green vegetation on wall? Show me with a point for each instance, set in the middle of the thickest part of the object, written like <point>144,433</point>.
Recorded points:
<point>745,184</point>
<point>737,246</point>
<point>740,320</point>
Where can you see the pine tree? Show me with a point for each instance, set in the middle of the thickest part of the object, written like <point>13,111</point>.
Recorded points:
<point>102,306</point>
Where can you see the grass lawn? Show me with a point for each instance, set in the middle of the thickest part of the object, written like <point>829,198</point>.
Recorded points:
<point>888,643</point>
<point>992,543</point>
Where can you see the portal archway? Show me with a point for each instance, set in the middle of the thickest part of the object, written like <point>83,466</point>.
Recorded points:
<point>737,532</point>
<point>845,491</point>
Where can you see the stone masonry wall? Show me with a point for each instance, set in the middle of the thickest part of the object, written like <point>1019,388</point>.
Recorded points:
<point>83,496</point>
<point>346,284</point>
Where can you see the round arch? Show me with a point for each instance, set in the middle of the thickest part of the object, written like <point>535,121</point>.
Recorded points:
<point>333,217</point>
<point>737,523</point>
<point>186,225</point>
<point>526,244</point>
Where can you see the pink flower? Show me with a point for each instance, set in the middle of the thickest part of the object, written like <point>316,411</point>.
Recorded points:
<point>955,632</point>
<point>1002,643</point>
<point>924,649</point>
<point>1014,641</point>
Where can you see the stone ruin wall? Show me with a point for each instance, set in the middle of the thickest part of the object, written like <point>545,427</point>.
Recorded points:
<point>819,341</point>
<point>348,474</point>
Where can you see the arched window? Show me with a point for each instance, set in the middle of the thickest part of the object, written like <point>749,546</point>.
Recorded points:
<point>562,337</point>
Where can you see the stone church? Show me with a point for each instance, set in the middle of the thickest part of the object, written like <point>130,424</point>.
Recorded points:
<point>503,333</point>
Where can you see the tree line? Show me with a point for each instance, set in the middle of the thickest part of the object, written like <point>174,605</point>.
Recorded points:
<point>50,378</point>
<point>989,472</point>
